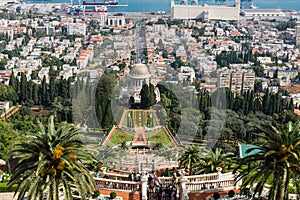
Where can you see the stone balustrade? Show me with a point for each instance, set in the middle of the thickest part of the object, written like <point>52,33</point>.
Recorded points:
<point>102,183</point>
<point>187,184</point>
<point>204,177</point>
<point>210,185</point>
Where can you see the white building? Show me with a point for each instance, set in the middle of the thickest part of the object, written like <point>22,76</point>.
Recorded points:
<point>262,13</point>
<point>4,106</point>
<point>116,21</point>
<point>214,12</point>
<point>76,29</point>
<point>44,72</point>
<point>186,73</point>
<point>139,75</point>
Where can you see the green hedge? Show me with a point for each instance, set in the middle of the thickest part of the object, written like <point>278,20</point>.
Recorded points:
<point>3,187</point>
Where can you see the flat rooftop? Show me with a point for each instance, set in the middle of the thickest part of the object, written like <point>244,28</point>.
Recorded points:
<point>262,10</point>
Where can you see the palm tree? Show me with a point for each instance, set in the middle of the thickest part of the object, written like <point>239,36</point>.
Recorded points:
<point>108,155</point>
<point>212,159</point>
<point>189,158</point>
<point>276,162</point>
<point>50,160</point>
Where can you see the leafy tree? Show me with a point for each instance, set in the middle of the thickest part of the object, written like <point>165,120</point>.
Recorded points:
<point>9,137</point>
<point>284,25</point>
<point>103,96</point>
<point>50,159</point>
<point>259,71</point>
<point>7,93</point>
<point>3,63</point>
<point>258,86</point>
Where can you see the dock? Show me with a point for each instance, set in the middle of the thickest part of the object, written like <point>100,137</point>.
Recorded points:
<point>119,5</point>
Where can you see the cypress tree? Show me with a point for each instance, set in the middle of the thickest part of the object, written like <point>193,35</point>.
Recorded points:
<point>291,105</point>
<point>35,94</point>
<point>23,88</point>
<point>251,101</point>
<point>152,95</point>
<point>52,92</point>
<point>266,102</point>
<point>145,97</point>
<point>43,94</point>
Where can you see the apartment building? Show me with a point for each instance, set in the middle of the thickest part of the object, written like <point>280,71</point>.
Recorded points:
<point>76,29</point>
<point>237,80</point>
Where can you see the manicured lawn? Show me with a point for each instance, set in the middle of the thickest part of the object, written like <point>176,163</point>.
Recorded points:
<point>121,136</point>
<point>161,137</point>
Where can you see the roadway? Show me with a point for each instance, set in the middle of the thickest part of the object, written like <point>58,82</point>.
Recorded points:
<point>139,42</point>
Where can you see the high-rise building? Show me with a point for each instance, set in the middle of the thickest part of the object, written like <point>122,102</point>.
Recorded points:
<point>237,80</point>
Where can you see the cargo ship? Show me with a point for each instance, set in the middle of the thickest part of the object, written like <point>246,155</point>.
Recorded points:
<point>95,8</point>
<point>90,8</point>
<point>104,2</point>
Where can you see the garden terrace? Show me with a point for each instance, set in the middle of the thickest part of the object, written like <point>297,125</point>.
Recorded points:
<point>120,136</point>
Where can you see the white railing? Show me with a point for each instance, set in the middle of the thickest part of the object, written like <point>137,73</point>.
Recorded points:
<point>102,183</point>
<point>204,177</point>
<point>227,176</point>
<point>210,185</point>
<point>115,175</point>
<point>164,181</point>
<point>205,182</point>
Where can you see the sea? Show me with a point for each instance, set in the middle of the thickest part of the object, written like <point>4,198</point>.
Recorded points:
<point>164,5</point>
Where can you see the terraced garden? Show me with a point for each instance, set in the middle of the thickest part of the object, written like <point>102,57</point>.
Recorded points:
<point>159,137</point>
<point>120,136</point>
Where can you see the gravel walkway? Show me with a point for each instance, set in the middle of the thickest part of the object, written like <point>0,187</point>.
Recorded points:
<point>7,196</point>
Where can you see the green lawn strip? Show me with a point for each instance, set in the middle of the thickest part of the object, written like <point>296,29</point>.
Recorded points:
<point>3,187</point>
<point>153,118</point>
<point>161,137</point>
<point>125,120</point>
<point>144,123</point>
<point>121,136</point>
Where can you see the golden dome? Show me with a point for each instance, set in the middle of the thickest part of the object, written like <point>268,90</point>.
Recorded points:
<point>139,70</point>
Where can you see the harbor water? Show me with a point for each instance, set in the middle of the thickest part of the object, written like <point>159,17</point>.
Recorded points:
<point>164,5</point>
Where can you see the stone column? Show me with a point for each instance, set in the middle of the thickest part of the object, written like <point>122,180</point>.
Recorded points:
<point>182,188</point>
<point>219,172</point>
<point>144,187</point>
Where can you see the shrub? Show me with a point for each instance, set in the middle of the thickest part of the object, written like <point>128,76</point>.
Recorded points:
<point>291,190</point>
<point>231,193</point>
<point>112,195</point>
<point>96,193</point>
<point>216,196</point>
